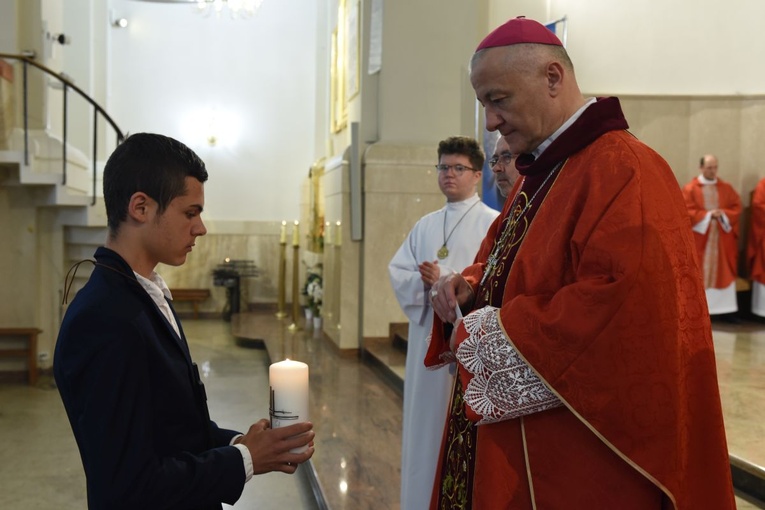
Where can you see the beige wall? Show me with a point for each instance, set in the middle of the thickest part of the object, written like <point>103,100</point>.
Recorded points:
<point>341,260</point>
<point>424,85</point>
<point>18,258</point>
<point>400,187</point>
<point>31,263</point>
<point>653,46</point>
<point>256,241</point>
<point>682,129</point>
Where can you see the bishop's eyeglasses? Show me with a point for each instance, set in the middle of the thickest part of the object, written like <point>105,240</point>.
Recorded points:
<point>505,158</point>
<point>459,169</point>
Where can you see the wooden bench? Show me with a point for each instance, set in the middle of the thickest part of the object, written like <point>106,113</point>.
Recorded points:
<point>195,296</point>
<point>30,352</point>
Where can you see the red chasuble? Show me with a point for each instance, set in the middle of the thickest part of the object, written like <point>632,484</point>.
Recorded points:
<point>717,249</point>
<point>603,300</point>
<point>755,253</point>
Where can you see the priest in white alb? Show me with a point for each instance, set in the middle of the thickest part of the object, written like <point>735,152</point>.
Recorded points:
<point>442,242</point>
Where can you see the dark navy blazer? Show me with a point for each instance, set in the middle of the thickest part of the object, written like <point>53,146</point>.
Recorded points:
<point>135,402</point>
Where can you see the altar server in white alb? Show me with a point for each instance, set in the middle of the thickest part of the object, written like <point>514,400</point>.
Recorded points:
<point>442,242</point>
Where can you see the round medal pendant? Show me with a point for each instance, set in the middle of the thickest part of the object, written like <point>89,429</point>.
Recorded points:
<point>443,252</point>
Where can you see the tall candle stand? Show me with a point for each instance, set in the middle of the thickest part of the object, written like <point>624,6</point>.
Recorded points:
<point>282,313</point>
<point>295,275</point>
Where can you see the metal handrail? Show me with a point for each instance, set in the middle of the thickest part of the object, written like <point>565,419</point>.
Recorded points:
<point>98,110</point>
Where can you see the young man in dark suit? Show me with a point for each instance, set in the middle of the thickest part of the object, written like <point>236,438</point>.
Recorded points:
<point>122,364</point>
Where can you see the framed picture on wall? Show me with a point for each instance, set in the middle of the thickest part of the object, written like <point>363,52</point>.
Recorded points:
<point>338,110</point>
<point>338,107</point>
<point>353,40</point>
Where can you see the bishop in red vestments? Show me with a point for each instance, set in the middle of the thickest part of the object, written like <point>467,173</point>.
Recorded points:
<point>587,374</point>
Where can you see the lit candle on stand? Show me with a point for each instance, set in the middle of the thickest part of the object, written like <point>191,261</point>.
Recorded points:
<point>283,233</point>
<point>339,233</point>
<point>289,394</point>
<point>296,234</point>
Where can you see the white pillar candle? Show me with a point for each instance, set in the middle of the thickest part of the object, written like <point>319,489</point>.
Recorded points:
<point>289,394</point>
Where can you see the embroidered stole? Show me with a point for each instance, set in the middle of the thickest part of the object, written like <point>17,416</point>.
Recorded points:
<point>455,486</point>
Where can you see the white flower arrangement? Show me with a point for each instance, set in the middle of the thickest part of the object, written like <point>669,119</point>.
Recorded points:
<point>314,293</point>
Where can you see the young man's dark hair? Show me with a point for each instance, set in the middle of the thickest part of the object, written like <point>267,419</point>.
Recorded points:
<point>463,145</point>
<point>155,164</point>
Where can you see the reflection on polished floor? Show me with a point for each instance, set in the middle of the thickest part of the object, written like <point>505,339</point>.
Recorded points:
<point>356,413</point>
<point>41,469</point>
<point>740,354</point>
<point>357,465</point>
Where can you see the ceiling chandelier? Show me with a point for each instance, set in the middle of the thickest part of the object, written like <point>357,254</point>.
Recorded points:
<point>236,8</point>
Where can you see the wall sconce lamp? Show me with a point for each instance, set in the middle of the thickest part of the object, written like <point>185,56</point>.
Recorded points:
<point>120,23</point>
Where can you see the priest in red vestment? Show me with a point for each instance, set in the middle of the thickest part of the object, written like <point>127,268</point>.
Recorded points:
<point>714,208</point>
<point>755,251</point>
<point>587,374</point>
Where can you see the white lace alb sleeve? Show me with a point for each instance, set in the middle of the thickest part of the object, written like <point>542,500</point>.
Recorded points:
<point>503,385</point>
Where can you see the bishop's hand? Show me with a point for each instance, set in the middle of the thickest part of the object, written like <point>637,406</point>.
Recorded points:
<point>448,292</point>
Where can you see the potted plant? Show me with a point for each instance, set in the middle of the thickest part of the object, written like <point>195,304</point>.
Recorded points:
<point>312,282</point>
<point>315,293</point>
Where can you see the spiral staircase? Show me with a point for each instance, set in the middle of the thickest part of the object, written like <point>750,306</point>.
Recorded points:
<point>56,174</point>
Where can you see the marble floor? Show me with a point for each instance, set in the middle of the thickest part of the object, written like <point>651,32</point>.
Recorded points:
<point>40,466</point>
<point>356,413</point>
<point>740,353</point>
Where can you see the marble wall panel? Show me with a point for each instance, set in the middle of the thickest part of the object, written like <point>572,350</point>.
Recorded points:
<point>333,212</point>
<point>51,274</point>
<point>341,261</point>
<point>729,127</point>
<point>396,215</point>
<point>662,124</point>
<point>350,261</point>
<point>752,153</point>
<point>256,241</point>
<point>683,128</point>
<point>18,258</point>
<point>401,187</point>
<point>715,128</point>
<point>28,293</point>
